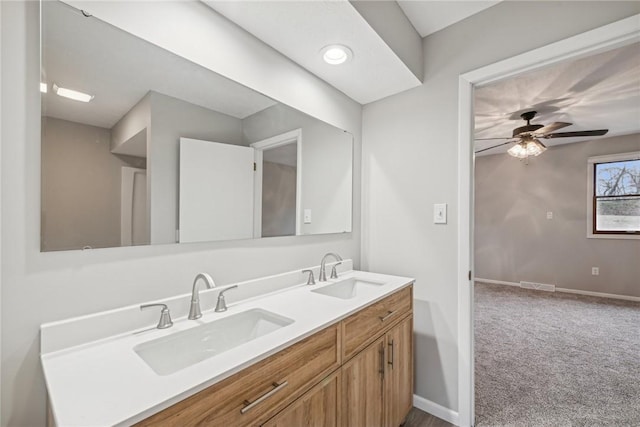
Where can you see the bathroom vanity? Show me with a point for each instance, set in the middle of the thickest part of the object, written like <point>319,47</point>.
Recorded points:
<point>338,353</point>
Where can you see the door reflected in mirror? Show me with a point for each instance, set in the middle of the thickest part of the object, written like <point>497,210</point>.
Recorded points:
<point>167,151</point>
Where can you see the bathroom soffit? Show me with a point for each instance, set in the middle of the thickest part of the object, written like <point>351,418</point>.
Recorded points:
<point>596,92</point>
<point>428,17</point>
<point>300,29</point>
<point>385,36</point>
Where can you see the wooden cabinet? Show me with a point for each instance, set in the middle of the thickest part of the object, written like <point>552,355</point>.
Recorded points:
<point>378,381</point>
<point>356,372</point>
<point>399,372</point>
<point>363,387</point>
<point>365,326</point>
<point>255,394</point>
<point>319,407</point>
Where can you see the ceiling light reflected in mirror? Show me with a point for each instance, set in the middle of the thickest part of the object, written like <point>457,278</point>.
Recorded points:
<point>72,94</point>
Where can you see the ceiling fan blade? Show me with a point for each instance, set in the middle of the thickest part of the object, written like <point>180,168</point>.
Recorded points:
<point>598,132</point>
<point>495,146</point>
<point>489,139</point>
<point>551,127</point>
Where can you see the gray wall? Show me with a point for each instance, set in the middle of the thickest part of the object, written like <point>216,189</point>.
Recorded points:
<point>278,200</point>
<point>326,165</point>
<point>513,239</point>
<point>80,187</point>
<point>44,287</point>
<point>410,163</point>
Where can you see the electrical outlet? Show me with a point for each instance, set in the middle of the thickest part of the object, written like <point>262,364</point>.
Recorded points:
<point>595,271</point>
<point>307,216</point>
<point>549,215</point>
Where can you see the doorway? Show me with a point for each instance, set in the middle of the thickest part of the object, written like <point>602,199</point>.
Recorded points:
<point>608,37</point>
<point>278,185</point>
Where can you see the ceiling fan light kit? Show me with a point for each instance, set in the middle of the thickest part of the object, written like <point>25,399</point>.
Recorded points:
<point>526,148</point>
<point>526,137</point>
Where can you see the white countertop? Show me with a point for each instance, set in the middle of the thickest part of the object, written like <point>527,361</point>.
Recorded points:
<point>105,382</point>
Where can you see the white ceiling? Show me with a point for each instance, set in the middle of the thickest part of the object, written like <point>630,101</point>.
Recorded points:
<point>91,56</point>
<point>430,16</point>
<point>596,92</point>
<point>300,29</point>
<point>88,55</point>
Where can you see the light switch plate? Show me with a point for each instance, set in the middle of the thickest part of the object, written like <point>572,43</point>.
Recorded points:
<point>440,213</point>
<point>307,216</point>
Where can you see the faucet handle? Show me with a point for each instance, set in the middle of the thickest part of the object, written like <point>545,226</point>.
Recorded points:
<point>165,316</point>
<point>334,273</point>
<point>311,280</point>
<point>221,305</point>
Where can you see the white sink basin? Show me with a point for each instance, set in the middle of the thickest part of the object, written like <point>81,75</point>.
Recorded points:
<point>177,351</point>
<point>348,288</point>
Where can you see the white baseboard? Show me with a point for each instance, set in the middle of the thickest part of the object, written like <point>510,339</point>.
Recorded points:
<point>598,294</point>
<point>435,409</point>
<point>496,282</point>
<point>566,290</point>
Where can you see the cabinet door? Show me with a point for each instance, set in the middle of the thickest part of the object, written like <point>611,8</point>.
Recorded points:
<point>399,372</point>
<point>363,387</point>
<point>319,407</point>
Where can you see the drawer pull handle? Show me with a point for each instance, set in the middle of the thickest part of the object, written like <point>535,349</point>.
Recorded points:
<point>386,316</point>
<point>390,362</point>
<point>250,405</point>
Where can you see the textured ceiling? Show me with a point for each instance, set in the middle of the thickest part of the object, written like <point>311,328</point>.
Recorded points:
<point>596,92</point>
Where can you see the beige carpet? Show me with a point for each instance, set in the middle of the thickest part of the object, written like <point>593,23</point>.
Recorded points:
<point>553,359</point>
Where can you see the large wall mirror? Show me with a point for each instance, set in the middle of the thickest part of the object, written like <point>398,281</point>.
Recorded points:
<point>140,146</point>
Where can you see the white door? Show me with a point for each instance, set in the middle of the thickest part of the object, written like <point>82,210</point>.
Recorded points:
<point>216,191</point>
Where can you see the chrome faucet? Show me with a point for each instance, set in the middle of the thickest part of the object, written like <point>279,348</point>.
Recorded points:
<point>221,305</point>
<point>165,317</point>
<point>310,280</point>
<point>334,273</point>
<point>194,311</point>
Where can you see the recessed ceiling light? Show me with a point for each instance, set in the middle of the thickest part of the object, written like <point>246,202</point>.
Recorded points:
<point>335,54</point>
<point>43,87</point>
<point>72,94</point>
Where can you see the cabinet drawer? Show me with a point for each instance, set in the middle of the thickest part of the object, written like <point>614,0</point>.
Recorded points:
<point>369,323</point>
<point>319,407</point>
<point>256,393</point>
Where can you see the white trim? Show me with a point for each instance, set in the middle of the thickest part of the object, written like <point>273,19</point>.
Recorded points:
<point>633,155</point>
<point>466,392</point>
<point>127,184</point>
<point>566,290</point>
<point>265,144</point>
<point>436,410</point>
<point>497,282</point>
<point>1,204</point>
<point>607,37</point>
<point>598,294</point>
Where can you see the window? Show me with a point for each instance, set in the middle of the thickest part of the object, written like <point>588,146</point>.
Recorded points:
<point>614,193</point>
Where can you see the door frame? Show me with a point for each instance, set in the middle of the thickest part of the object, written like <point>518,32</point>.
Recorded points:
<point>127,181</point>
<point>291,137</point>
<point>607,37</point>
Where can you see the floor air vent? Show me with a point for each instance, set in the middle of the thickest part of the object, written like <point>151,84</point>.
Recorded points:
<point>538,286</point>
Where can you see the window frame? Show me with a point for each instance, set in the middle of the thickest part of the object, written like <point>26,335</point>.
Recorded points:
<point>591,196</point>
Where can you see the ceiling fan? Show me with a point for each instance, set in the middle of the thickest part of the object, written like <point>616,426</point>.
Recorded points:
<point>527,138</point>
